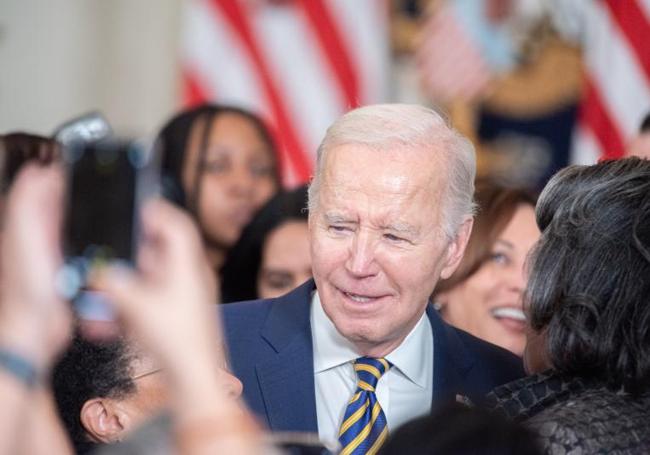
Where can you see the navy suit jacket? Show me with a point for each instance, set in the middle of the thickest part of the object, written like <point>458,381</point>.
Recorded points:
<point>271,353</point>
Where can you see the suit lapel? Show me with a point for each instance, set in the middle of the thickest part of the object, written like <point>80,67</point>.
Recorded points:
<point>451,361</point>
<point>287,379</point>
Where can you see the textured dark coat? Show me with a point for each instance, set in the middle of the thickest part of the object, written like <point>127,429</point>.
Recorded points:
<point>577,416</point>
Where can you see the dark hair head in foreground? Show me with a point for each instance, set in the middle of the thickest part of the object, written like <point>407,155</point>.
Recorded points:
<point>459,430</point>
<point>89,370</point>
<point>590,273</point>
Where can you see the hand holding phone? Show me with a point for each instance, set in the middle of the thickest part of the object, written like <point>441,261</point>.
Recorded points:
<point>108,181</point>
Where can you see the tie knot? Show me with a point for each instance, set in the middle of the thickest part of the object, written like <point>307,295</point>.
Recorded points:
<point>369,370</point>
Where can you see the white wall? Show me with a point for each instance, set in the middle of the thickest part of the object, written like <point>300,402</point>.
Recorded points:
<point>60,58</point>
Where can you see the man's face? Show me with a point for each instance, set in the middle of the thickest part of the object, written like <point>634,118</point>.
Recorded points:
<point>377,242</point>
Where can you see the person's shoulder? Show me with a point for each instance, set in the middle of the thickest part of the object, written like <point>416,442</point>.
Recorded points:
<point>253,313</point>
<point>250,308</point>
<point>596,420</point>
<point>485,349</point>
<point>498,364</point>
<point>249,313</point>
<point>591,426</point>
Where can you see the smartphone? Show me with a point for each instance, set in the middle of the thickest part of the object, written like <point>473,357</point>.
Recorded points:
<point>87,128</point>
<point>107,183</point>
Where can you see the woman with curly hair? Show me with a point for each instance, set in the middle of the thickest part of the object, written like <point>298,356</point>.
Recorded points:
<point>587,301</point>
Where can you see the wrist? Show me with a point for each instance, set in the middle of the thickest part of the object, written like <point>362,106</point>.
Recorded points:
<point>24,338</point>
<point>20,368</point>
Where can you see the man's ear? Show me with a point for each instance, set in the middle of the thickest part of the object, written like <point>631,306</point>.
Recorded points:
<point>102,420</point>
<point>456,248</point>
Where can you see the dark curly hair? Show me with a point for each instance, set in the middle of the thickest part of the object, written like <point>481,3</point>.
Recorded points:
<point>590,273</point>
<point>242,265</point>
<point>89,370</point>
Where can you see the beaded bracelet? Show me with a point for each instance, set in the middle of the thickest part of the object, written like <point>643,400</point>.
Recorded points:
<point>19,367</point>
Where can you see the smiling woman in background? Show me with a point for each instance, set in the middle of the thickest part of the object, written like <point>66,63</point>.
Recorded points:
<point>588,351</point>
<point>484,295</point>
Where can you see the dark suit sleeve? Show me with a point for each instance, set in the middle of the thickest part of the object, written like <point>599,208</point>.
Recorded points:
<point>493,366</point>
<point>242,326</point>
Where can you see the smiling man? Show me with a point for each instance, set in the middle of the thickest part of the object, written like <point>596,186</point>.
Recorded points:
<point>358,350</point>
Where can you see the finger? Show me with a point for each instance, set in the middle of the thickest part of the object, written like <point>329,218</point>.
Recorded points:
<point>99,330</point>
<point>33,219</point>
<point>36,186</point>
<point>52,200</point>
<point>176,232</point>
<point>150,258</point>
<point>127,291</point>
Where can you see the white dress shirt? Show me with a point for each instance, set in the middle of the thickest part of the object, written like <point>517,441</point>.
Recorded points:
<point>405,392</point>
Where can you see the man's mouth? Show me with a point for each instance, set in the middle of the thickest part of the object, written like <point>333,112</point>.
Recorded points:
<point>358,298</point>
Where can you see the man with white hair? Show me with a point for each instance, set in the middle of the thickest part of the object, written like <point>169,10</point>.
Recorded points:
<point>359,350</point>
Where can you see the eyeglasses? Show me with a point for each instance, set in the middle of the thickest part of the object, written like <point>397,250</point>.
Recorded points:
<point>147,373</point>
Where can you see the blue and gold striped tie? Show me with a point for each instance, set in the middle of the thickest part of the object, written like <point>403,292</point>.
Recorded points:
<point>364,429</point>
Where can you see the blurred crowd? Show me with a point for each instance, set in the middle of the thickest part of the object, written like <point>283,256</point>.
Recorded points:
<point>414,264</point>
<point>404,300</point>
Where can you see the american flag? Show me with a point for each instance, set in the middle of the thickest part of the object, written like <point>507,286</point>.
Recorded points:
<point>299,63</point>
<point>450,60</point>
<point>615,37</point>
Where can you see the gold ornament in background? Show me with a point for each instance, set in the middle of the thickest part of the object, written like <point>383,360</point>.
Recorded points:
<point>547,77</point>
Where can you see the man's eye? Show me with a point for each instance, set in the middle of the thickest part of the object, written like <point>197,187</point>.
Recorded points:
<point>335,228</point>
<point>393,238</point>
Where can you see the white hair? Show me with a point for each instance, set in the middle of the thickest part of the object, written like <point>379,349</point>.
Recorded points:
<point>391,126</point>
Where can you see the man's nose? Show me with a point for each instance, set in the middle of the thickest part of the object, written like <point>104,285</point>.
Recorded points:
<point>361,259</point>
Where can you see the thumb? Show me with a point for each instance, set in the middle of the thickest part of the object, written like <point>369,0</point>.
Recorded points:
<point>123,287</point>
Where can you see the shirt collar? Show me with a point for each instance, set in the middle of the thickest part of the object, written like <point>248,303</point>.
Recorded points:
<point>409,356</point>
<point>332,349</point>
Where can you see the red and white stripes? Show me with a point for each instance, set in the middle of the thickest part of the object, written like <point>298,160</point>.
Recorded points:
<point>450,62</point>
<point>615,35</point>
<point>300,64</point>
